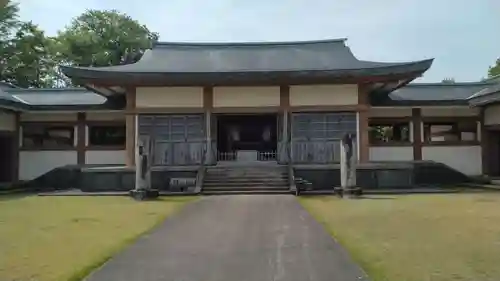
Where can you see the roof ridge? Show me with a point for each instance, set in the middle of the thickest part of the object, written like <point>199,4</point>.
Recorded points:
<point>248,43</point>
<point>479,83</point>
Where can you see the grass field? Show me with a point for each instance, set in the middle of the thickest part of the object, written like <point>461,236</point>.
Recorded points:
<point>64,238</point>
<point>417,237</point>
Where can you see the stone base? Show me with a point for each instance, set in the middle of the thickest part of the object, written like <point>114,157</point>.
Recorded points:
<point>144,194</point>
<point>352,192</point>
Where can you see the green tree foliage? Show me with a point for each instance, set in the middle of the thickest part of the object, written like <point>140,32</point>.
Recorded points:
<point>28,58</point>
<point>495,69</point>
<point>25,52</point>
<point>8,19</point>
<point>103,38</point>
<point>30,62</point>
<point>8,24</point>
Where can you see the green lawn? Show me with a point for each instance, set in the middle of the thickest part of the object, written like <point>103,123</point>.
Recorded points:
<point>417,237</point>
<point>63,238</point>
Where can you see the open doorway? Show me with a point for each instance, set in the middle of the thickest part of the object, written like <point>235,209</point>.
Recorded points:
<point>251,133</point>
<point>493,159</point>
<point>6,157</point>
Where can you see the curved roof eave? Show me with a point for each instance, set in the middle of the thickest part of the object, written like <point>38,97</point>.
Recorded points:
<point>106,73</point>
<point>485,96</point>
<point>10,101</point>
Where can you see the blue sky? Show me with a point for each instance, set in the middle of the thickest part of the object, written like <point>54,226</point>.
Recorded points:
<point>462,35</point>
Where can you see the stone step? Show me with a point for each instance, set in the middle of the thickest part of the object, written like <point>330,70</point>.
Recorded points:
<point>232,176</point>
<point>246,171</point>
<point>246,184</point>
<point>243,187</point>
<point>221,178</point>
<point>245,175</point>
<point>266,169</point>
<point>245,192</point>
<point>264,179</point>
<point>246,180</point>
<point>271,168</point>
<point>242,173</point>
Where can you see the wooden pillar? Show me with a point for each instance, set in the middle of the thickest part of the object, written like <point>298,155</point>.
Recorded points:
<point>16,146</point>
<point>485,139</point>
<point>363,123</point>
<point>81,138</point>
<point>416,120</point>
<point>130,124</point>
<point>208,104</point>
<point>285,134</point>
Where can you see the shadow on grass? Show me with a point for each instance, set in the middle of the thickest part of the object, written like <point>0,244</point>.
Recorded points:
<point>15,196</point>
<point>364,197</point>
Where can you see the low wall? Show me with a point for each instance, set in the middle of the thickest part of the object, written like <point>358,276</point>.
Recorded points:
<point>123,178</point>
<point>466,159</point>
<point>384,175</point>
<point>371,176</point>
<point>33,164</point>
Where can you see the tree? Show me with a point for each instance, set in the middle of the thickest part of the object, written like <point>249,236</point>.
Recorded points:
<point>25,52</point>
<point>103,38</point>
<point>495,69</point>
<point>30,61</point>
<point>8,23</point>
<point>8,19</point>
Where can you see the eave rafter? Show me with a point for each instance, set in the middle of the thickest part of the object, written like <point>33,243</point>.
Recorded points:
<point>106,91</point>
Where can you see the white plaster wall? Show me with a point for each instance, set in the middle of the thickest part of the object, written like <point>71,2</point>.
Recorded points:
<point>170,97</point>
<point>449,111</point>
<point>7,121</point>
<point>466,159</point>
<point>382,112</point>
<point>35,163</point>
<point>105,157</point>
<point>492,115</point>
<point>310,95</point>
<point>246,96</point>
<point>49,117</point>
<point>391,153</point>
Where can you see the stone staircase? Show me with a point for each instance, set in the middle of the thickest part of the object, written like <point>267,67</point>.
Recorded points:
<point>263,179</point>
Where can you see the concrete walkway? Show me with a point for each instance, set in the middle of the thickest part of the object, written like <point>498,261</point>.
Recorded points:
<point>228,238</point>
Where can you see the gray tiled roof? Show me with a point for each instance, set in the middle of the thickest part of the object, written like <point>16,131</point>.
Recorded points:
<point>5,85</point>
<point>56,99</point>
<point>431,94</point>
<point>488,95</point>
<point>494,79</point>
<point>57,96</point>
<point>218,62</point>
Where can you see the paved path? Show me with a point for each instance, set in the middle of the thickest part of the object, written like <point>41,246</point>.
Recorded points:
<point>235,238</point>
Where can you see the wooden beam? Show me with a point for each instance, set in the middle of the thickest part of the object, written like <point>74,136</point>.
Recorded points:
<point>16,147</point>
<point>485,140</point>
<point>284,98</point>
<point>208,98</point>
<point>130,127</point>
<point>416,118</point>
<point>81,138</point>
<point>363,123</point>
<point>208,105</point>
